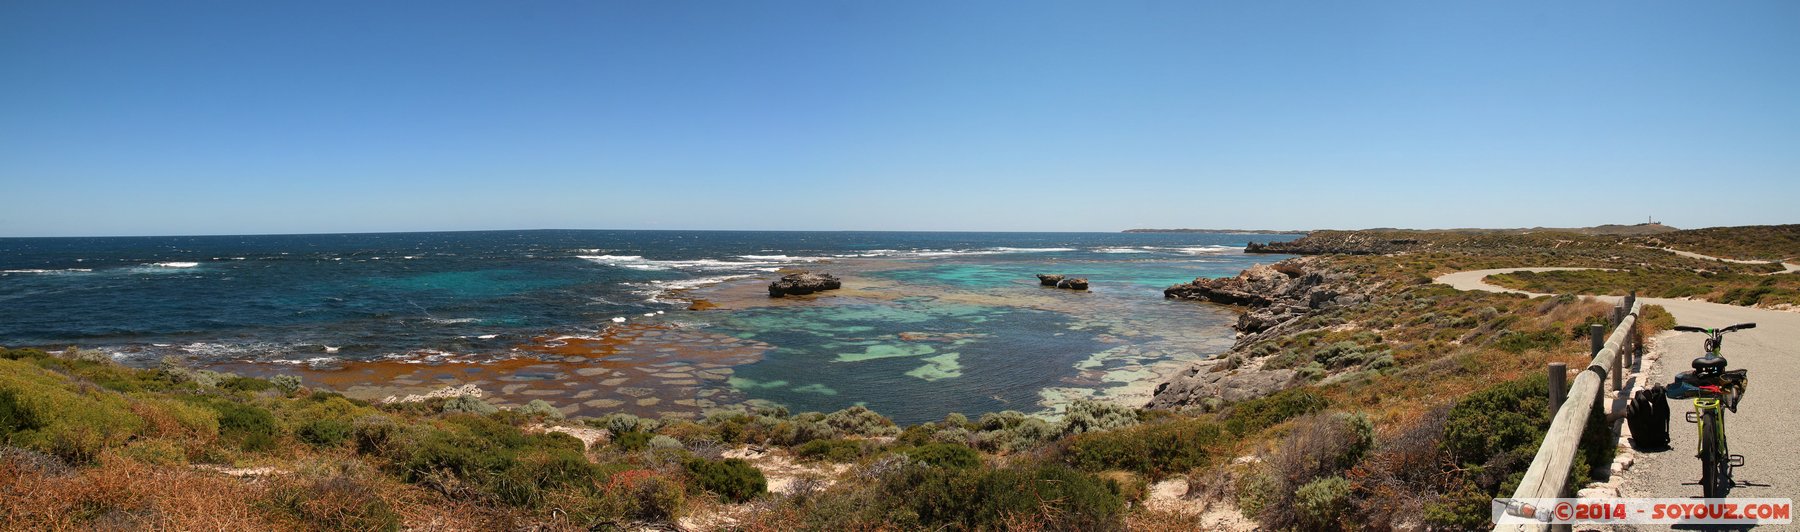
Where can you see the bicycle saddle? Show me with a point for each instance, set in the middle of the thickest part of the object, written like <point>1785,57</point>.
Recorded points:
<point>1709,365</point>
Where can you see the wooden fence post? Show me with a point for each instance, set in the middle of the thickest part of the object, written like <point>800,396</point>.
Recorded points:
<point>1559,372</point>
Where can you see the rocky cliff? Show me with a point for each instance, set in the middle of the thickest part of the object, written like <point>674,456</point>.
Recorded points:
<point>1275,298</point>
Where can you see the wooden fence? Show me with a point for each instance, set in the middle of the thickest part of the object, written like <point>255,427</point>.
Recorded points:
<point>1549,472</point>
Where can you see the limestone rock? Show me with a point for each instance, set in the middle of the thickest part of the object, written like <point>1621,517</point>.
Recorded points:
<point>803,283</point>
<point>1049,280</point>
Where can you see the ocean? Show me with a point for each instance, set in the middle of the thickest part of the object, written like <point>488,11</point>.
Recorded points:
<point>600,321</point>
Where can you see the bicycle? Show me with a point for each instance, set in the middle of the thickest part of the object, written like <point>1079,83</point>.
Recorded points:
<point>1713,389</point>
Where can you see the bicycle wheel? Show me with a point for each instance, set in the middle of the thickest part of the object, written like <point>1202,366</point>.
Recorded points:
<point>1708,464</point>
<point>1715,466</point>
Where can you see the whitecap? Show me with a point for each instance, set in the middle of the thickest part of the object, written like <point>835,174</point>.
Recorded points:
<point>783,258</point>
<point>488,336</point>
<point>175,264</point>
<point>636,262</point>
<point>66,270</point>
<point>1208,250</point>
<point>1120,250</point>
<point>620,319</point>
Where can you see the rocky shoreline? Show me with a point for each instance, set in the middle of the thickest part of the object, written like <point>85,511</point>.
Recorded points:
<point>1275,298</point>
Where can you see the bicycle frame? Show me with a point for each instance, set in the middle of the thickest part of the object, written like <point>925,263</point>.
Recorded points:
<point>1716,460</point>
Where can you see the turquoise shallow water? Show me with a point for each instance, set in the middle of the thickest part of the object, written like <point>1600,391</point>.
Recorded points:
<point>957,322</point>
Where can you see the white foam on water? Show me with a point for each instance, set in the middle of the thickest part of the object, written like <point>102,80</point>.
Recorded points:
<point>488,336</point>
<point>783,258</point>
<point>1208,250</point>
<point>174,264</point>
<point>1121,250</point>
<point>689,284</point>
<point>620,319</point>
<point>66,270</point>
<point>452,321</point>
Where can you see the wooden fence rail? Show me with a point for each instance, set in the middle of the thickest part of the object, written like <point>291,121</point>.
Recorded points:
<point>1549,472</point>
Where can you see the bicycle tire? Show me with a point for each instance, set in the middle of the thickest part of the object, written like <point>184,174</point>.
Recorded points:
<point>1715,467</point>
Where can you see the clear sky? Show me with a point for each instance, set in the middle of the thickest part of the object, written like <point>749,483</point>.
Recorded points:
<point>218,117</point>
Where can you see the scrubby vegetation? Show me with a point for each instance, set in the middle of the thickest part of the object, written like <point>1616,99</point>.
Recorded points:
<point>1410,409</point>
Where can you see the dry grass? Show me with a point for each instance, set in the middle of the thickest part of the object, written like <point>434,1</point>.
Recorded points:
<point>121,494</point>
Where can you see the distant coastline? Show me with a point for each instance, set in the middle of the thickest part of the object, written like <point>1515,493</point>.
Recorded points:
<point>1219,231</point>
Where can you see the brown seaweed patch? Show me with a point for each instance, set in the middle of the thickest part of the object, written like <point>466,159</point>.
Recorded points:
<point>592,375</point>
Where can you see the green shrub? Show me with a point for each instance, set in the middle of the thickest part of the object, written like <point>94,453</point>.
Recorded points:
<point>42,410</point>
<point>288,384</point>
<point>1258,414</point>
<point>950,455</point>
<point>832,450</point>
<point>540,409</point>
<point>1088,416</point>
<point>532,474</point>
<point>1322,502</point>
<point>1043,496</point>
<point>324,432</point>
<point>1011,431</point>
<point>734,479</point>
<point>1155,450</point>
<point>632,441</point>
<point>469,404</point>
<point>245,384</point>
<point>860,421</point>
<point>374,434</point>
<point>664,442</point>
<point>251,428</point>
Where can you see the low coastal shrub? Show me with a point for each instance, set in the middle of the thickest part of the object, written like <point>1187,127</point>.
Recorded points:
<point>540,409</point>
<point>948,455</point>
<point>1261,413</point>
<point>288,384</point>
<point>832,450</point>
<point>1085,415</point>
<point>733,479</point>
<point>632,441</point>
<point>41,410</point>
<point>468,404</point>
<point>1155,450</point>
<point>1323,503</point>
<point>1028,496</point>
<point>1011,431</point>
<point>1319,448</point>
<point>248,427</point>
<point>860,421</point>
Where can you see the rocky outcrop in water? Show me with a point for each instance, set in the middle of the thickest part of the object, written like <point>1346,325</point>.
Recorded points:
<point>803,283</point>
<point>1062,281</point>
<point>1277,297</point>
<point>1274,294</point>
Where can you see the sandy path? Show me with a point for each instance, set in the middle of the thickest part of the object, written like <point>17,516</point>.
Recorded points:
<point>1763,430</point>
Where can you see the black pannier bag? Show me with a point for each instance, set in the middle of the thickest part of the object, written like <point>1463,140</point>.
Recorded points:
<point>1648,417</point>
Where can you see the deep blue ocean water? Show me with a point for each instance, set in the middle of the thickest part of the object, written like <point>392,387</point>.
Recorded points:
<point>287,297</point>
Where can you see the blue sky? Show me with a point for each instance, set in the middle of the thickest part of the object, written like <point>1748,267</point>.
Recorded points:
<point>321,116</point>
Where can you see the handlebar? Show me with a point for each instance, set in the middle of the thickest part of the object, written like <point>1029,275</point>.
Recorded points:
<point>1715,339</point>
<point>1738,327</point>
